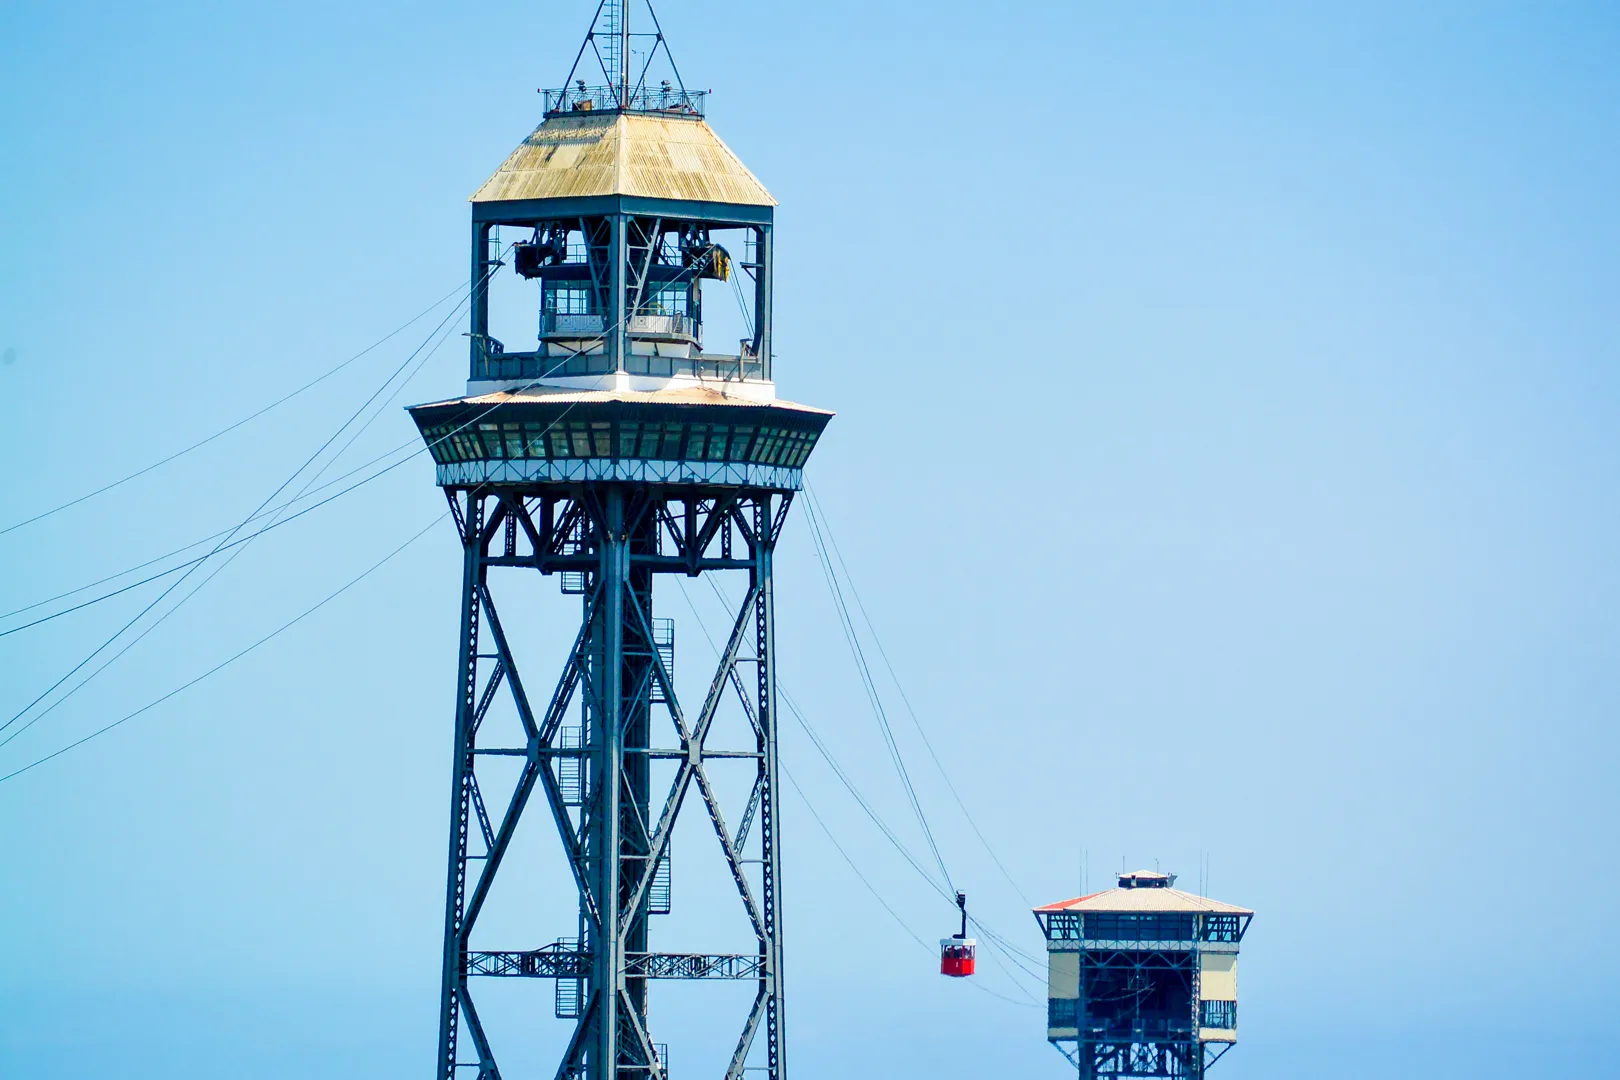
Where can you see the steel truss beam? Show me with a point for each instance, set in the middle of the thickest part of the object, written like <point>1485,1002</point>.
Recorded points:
<point>615,539</point>
<point>553,962</point>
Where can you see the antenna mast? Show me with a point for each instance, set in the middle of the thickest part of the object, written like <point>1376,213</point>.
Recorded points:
<point>624,52</point>
<point>623,86</point>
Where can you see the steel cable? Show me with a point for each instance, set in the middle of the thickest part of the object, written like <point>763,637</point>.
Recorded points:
<point>849,785</point>
<point>238,549</point>
<point>876,701</point>
<point>109,727</point>
<point>273,511</point>
<point>259,512</point>
<point>229,660</point>
<point>168,591</point>
<point>910,710</point>
<point>246,419</point>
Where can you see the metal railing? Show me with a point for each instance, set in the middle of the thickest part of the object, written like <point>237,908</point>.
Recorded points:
<point>534,365</point>
<point>663,100</point>
<point>670,325</point>
<point>564,324</point>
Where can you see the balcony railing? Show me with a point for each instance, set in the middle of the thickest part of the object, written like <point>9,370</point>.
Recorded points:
<point>533,366</point>
<point>553,324</point>
<point>661,100</point>
<point>664,325</point>
<point>559,325</point>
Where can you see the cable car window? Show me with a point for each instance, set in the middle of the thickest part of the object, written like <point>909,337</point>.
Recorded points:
<point>670,298</point>
<point>569,298</point>
<point>672,441</point>
<point>695,442</point>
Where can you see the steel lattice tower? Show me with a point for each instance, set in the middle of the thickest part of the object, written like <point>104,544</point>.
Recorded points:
<point>612,453</point>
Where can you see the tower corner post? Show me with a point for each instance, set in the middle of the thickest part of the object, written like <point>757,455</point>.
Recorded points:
<point>454,966</point>
<point>766,522</point>
<point>607,737</point>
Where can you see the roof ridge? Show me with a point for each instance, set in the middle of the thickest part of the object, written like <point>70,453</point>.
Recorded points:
<point>621,135</point>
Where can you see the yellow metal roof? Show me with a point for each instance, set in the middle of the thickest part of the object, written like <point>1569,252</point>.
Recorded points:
<point>612,153</point>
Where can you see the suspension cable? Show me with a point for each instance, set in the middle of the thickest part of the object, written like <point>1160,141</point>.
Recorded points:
<point>855,792</point>
<point>229,660</point>
<point>893,914</point>
<point>826,551</point>
<point>216,549</point>
<point>239,548</point>
<point>246,419</point>
<point>826,528</point>
<point>875,699</point>
<point>273,511</point>
<point>257,513</point>
<point>276,522</point>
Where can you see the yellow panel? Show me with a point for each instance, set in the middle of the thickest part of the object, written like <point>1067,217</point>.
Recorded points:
<point>1063,975</point>
<point>1217,976</point>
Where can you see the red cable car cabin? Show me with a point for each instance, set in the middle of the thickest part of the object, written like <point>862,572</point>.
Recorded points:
<point>956,952</point>
<point>956,956</point>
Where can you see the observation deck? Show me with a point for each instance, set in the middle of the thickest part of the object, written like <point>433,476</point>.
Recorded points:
<point>691,436</point>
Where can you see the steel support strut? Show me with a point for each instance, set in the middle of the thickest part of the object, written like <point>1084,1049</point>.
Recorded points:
<point>771,987</point>
<point>454,1008</point>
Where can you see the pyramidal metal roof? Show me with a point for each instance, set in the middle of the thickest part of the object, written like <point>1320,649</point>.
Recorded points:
<point>1144,900</point>
<point>624,153</point>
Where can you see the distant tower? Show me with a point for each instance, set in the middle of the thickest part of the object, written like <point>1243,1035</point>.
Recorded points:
<point>611,451</point>
<point>1142,979</point>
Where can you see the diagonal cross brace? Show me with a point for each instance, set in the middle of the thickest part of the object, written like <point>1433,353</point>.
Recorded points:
<point>692,764</point>
<point>533,769</point>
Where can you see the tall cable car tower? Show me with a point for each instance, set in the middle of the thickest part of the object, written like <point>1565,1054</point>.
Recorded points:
<point>610,451</point>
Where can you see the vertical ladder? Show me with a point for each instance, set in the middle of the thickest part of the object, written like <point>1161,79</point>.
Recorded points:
<point>658,889</point>
<point>569,991</point>
<point>610,34</point>
<point>663,631</point>
<point>575,582</point>
<point>571,768</point>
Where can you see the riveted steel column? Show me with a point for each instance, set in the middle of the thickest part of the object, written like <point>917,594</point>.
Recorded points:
<point>764,255</point>
<point>769,822</point>
<point>635,798</point>
<point>478,318</point>
<point>618,321</point>
<point>607,950</point>
<point>454,980</point>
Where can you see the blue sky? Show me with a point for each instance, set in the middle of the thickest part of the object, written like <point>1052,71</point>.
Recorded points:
<point>1225,454</point>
